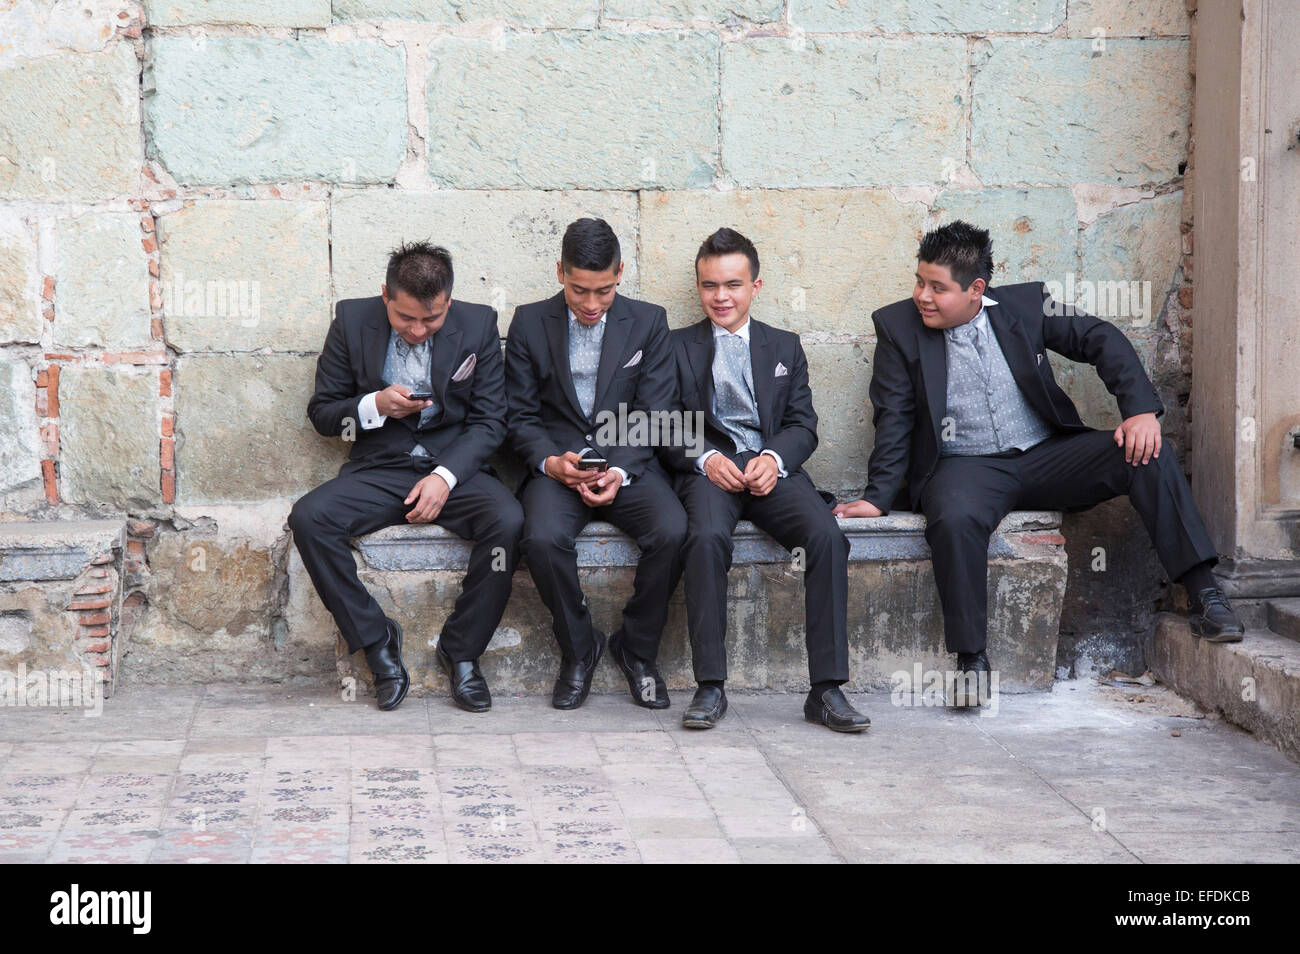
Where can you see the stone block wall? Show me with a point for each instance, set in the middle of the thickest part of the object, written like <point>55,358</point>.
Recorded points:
<point>186,186</point>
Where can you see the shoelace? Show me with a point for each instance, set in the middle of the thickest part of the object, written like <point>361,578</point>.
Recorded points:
<point>1214,597</point>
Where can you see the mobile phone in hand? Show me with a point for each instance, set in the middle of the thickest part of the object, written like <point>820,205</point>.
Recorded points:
<point>420,396</point>
<point>598,464</point>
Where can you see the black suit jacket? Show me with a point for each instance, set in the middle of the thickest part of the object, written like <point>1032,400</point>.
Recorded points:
<point>471,422</point>
<point>909,378</point>
<point>545,417</point>
<point>785,409</point>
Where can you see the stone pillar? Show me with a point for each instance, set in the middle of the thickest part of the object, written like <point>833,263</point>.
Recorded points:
<point>1246,316</point>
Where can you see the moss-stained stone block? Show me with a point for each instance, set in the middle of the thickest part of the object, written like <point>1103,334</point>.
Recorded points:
<point>109,437</point>
<point>839,375</point>
<point>1098,19</point>
<point>101,292</point>
<point>554,14</point>
<point>504,245</point>
<point>241,276</point>
<point>839,111</point>
<point>928,16</point>
<point>36,630</point>
<point>574,110</point>
<point>1034,231</point>
<point>214,613</point>
<point>70,126</point>
<point>1130,258</point>
<point>282,13</point>
<point>20,439</point>
<point>20,285</point>
<point>230,110</point>
<point>243,432</point>
<point>1057,112</point>
<point>827,258</point>
<point>682,11</point>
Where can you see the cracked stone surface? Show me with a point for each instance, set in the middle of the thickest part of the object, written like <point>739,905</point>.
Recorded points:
<point>230,774</point>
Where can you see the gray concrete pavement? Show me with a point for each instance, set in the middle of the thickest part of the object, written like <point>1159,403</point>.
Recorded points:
<point>1085,772</point>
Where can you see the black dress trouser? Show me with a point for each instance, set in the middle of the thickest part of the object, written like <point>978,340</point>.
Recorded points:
<point>795,515</point>
<point>648,511</point>
<point>967,497</point>
<point>366,499</point>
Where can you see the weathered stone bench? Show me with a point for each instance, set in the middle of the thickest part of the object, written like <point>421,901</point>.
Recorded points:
<point>61,603</point>
<point>894,617</point>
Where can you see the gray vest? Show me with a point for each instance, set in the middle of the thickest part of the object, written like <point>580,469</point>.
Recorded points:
<point>988,412</point>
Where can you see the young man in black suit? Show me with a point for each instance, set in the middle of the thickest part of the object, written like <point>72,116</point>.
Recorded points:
<point>750,383</point>
<point>573,362</point>
<point>416,380</point>
<point>967,410</point>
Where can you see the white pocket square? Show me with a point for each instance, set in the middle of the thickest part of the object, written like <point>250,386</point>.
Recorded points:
<point>781,370</point>
<point>635,359</point>
<point>466,368</point>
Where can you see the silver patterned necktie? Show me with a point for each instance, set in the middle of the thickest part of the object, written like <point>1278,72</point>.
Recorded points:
<point>737,408</point>
<point>584,360</point>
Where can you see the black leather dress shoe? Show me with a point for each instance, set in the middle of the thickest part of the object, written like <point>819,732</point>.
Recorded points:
<point>835,712</point>
<point>708,706</point>
<point>385,661</point>
<point>574,681</point>
<point>468,687</point>
<point>1213,619</point>
<point>643,679</point>
<point>971,687</point>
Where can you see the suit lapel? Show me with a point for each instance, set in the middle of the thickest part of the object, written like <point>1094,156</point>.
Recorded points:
<point>699,349</point>
<point>374,344</point>
<point>762,368</point>
<point>618,326</point>
<point>934,371</point>
<point>446,348</point>
<point>556,325</point>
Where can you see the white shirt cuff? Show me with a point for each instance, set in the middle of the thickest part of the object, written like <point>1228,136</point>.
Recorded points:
<point>446,475</point>
<point>780,464</point>
<point>626,478</point>
<point>369,411</point>
<point>699,461</point>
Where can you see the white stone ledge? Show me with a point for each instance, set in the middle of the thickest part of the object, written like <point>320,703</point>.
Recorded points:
<point>899,536</point>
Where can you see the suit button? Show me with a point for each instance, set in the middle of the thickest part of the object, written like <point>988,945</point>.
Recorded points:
<point>588,438</point>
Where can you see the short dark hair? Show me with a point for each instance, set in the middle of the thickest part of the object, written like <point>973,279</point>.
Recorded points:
<point>590,244</point>
<point>421,270</point>
<point>965,250</point>
<point>727,241</point>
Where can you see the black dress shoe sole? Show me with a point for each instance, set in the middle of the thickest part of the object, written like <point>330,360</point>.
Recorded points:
<point>1231,636</point>
<point>467,706</point>
<point>848,729</point>
<point>704,721</point>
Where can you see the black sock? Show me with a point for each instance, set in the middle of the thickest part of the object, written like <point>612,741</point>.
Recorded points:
<point>1198,578</point>
<point>820,687</point>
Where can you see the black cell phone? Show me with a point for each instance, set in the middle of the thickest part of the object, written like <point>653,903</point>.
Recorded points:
<point>598,464</point>
<point>420,396</point>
